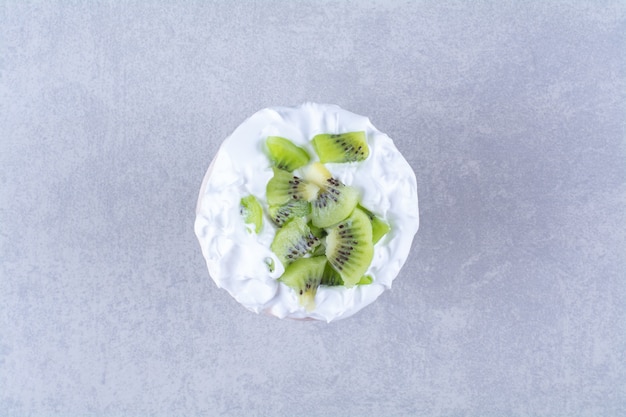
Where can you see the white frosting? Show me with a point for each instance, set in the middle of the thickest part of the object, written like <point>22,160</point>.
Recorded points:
<point>236,258</point>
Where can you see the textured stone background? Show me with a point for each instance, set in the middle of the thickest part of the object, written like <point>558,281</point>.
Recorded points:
<point>512,114</point>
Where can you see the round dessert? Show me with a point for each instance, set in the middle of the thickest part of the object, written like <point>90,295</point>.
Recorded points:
<point>307,212</point>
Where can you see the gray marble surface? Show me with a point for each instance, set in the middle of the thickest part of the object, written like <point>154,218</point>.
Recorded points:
<point>512,114</point>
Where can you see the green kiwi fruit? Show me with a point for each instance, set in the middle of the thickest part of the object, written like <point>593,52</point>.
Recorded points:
<point>349,247</point>
<point>334,202</point>
<point>281,214</point>
<point>284,187</point>
<point>320,250</point>
<point>379,227</point>
<point>252,213</point>
<point>320,234</point>
<point>324,236</point>
<point>304,276</point>
<point>365,280</point>
<point>285,155</point>
<point>341,147</point>
<point>331,277</point>
<point>293,241</point>
<point>317,231</point>
<point>317,174</point>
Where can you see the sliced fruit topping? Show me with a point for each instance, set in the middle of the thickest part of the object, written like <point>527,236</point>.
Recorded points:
<point>330,276</point>
<point>317,231</point>
<point>342,147</point>
<point>252,213</point>
<point>324,236</point>
<point>365,280</point>
<point>379,227</point>
<point>334,202</point>
<point>285,155</point>
<point>293,208</point>
<point>349,247</point>
<point>284,187</point>
<point>304,276</point>
<point>320,250</point>
<point>293,241</point>
<point>317,174</point>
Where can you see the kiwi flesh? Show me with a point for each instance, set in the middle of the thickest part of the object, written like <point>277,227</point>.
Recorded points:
<point>324,236</point>
<point>365,280</point>
<point>281,214</point>
<point>320,234</point>
<point>304,276</point>
<point>331,277</point>
<point>284,155</point>
<point>334,202</point>
<point>349,247</point>
<point>317,231</point>
<point>252,213</point>
<point>341,147</point>
<point>293,241</point>
<point>284,187</point>
<point>379,227</point>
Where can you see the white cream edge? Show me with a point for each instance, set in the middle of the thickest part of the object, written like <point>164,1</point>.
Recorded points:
<point>236,258</point>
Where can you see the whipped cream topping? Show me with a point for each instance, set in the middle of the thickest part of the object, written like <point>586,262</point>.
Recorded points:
<point>237,259</point>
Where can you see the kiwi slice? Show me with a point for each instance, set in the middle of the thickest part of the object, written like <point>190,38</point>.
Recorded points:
<point>320,234</point>
<point>349,247</point>
<point>320,250</point>
<point>324,236</point>
<point>341,147</point>
<point>317,231</point>
<point>285,155</point>
<point>304,277</point>
<point>284,187</point>
<point>334,202</point>
<point>283,213</point>
<point>379,227</point>
<point>365,280</point>
<point>293,241</point>
<point>331,277</point>
<point>252,213</point>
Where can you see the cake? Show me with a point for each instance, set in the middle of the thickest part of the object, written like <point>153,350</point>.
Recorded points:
<point>307,212</point>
